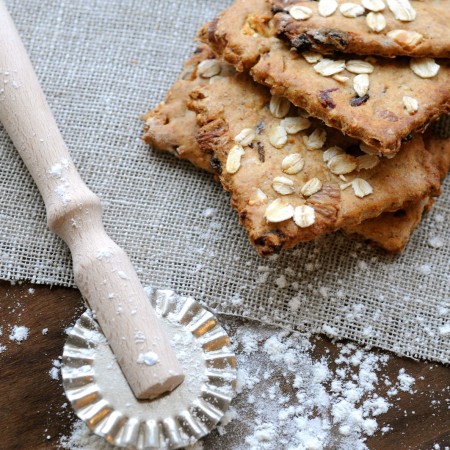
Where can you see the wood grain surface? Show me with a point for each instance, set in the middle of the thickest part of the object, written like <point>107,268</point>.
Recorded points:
<point>34,413</point>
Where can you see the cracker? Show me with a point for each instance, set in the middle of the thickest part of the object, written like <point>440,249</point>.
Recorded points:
<point>244,36</point>
<point>171,126</point>
<point>236,103</point>
<point>439,147</point>
<point>390,231</point>
<point>376,32</point>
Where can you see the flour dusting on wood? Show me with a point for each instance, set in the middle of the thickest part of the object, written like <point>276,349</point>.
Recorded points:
<point>290,399</point>
<point>19,333</point>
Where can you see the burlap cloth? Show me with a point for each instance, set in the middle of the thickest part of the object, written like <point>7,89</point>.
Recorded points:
<point>102,64</point>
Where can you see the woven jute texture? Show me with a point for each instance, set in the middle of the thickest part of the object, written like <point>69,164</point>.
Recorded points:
<point>104,63</point>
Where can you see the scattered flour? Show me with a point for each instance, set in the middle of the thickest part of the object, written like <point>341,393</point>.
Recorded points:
<point>264,433</point>
<point>281,282</point>
<point>405,381</point>
<point>149,358</point>
<point>436,242</point>
<point>445,330</point>
<point>62,193</point>
<point>54,371</point>
<point>82,439</point>
<point>58,169</point>
<point>19,333</point>
<point>230,415</point>
<point>103,253</point>
<point>289,400</point>
<point>209,212</point>
<point>425,269</point>
<point>294,304</point>
<point>330,331</point>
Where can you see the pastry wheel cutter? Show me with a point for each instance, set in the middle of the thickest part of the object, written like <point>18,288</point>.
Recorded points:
<point>156,371</point>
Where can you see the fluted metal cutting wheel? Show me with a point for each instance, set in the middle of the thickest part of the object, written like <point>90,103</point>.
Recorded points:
<point>101,397</point>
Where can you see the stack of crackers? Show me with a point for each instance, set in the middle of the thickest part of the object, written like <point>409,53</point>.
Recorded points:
<point>315,116</point>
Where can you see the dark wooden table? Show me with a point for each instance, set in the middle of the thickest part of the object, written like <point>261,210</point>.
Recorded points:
<point>32,411</point>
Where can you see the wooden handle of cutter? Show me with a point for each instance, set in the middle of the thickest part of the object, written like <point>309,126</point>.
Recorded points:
<point>103,272</point>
